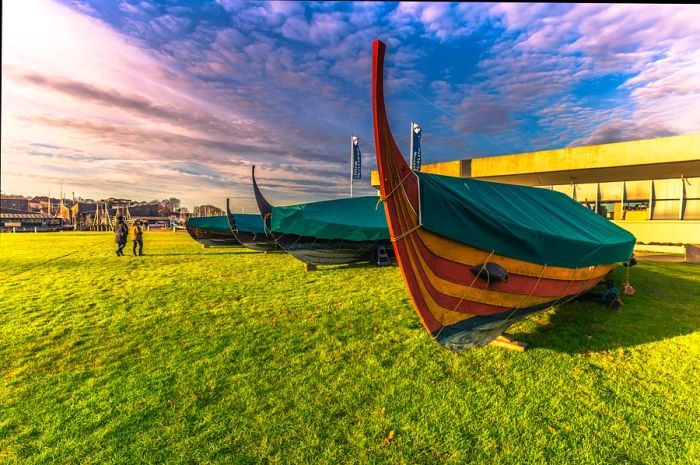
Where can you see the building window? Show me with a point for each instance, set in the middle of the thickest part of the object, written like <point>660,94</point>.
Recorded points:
<point>636,204</point>
<point>666,209</point>
<point>607,209</point>
<point>667,199</point>
<point>692,196</point>
<point>692,209</point>
<point>586,192</point>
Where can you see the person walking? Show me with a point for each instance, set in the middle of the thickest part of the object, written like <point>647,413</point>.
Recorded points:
<point>137,230</point>
<point>121,231</point>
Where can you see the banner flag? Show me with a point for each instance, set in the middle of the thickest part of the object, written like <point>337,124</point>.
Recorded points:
<point>415,146</point>
<point>356,159</point>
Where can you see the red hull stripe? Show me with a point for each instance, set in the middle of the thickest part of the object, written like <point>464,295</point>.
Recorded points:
<point>516,284</point>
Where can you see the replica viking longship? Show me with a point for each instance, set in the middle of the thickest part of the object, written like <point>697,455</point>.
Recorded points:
<point>249,230</point>
<point>211,231</point>
<point>331,232</point>
<point>478,256</point>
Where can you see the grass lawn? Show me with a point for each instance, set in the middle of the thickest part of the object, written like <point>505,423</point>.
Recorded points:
<point>191,355</point>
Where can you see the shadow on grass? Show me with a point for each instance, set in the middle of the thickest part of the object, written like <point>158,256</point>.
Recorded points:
<point>349,266</point>
<point>664,306</point>
<point>178,254</point>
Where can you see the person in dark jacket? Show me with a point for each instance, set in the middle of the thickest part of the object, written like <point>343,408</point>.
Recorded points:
<point>121,231</point>
<point>137,231</point>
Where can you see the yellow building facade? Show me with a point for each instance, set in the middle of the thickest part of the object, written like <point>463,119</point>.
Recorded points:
<point>649,187</point>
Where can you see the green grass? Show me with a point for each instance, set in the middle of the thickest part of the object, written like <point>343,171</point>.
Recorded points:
<point>191,355</point>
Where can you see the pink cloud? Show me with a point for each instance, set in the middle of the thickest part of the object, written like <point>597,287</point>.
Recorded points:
<point>133,105</point>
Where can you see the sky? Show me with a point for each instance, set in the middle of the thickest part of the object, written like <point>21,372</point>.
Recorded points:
<point>150,100</point>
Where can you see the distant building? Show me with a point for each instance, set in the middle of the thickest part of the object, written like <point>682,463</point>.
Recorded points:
<point>34,207</point>
<point>82,214</point>
<point>149,209</point>
<point>91,214</point>
<point>14,203</point>
<point>63,211</point>
<point>649,187</point>
<point>29,221</point>
<point>207,210</point>
<point>44,204</point>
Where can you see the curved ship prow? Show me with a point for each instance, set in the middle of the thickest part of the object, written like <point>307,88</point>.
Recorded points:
<point>317,237</point>
<point>230,217</point>
<point>471,270</point>
<point>248,232</point>
<point>263,205</point>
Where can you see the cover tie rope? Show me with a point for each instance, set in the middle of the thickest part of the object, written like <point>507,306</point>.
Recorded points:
<point>558,298</point>
<point>405,233</point>
<point>573,278</point>
<point>265,228</point>
<point>483,266</point>
<point>400,184</point>
<point>531,293</point>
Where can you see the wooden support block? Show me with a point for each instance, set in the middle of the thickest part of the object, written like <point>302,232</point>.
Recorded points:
<point>692,253</point>
<point>507,342</point>
<point>308,267</point>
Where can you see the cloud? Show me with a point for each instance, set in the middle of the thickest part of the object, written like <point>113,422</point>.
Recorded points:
<point>197,93</point>
<point>140,106</point>
<point>620,131</point>
<point>483,113</point>
<point>216,97</point>
<point>547,51</point>
<point>321,29</point>
<point>164,142</point>
<point>442,21</point>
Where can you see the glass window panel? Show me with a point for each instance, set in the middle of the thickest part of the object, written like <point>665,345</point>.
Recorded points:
<point>586,191</point>
<point>635,210</point>
<point>636,205</point>
<point>692,210</point>
<point>638,190</point>
<point>669,189</point>
<point>611,191</point>
<point>607,209</point>
<point>666,209</point>
<point>692,188</point>
<point>564,189</point>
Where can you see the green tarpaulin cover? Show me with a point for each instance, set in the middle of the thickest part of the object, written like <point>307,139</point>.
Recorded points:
<point>528,223</point>
<point>249,223</point>
<point>355,219</point>
<point>210,223</point>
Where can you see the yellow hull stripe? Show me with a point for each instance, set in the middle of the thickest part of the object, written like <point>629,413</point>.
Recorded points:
<point>486,296</point>
<point>471,256</point>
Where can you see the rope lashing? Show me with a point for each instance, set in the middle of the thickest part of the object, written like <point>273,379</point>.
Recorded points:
<point>266,217</point>
<point>464,295</point>
<point>483,266</point>
<point>405,233</point>
<point>573,278</point>
<point>537,283</point>
<point>383,199</point>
